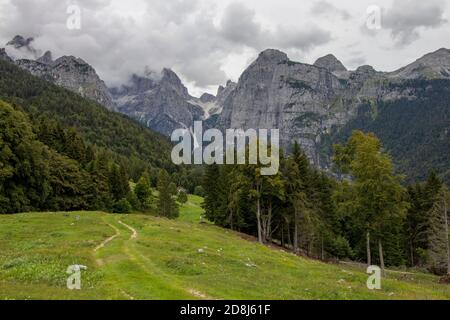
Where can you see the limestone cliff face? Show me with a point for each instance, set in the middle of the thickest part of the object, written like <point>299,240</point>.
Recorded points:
<point>301,100</point>
<point>435,65</point>
<point>159,101</point>
<point>69,72</point>
<point>307,101</point>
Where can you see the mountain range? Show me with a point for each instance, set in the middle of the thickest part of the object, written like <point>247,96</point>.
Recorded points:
<point>315,105</point>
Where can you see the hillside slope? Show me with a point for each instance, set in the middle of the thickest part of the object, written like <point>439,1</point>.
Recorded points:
<point>144,257</point>
<point>416,132</point>
<point>124,137</point>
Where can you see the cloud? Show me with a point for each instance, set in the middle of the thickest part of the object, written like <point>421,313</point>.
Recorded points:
<point>325,8</point>
<point>406,19</point>
<point>193,37</point>
<point>239,26</point>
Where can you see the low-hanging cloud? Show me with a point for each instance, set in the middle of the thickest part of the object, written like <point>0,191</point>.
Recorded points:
<point>406,18</point>
<point>326,8</point>
<point>190,36</point>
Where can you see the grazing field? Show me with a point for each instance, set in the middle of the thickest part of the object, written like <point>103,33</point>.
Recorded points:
<point>145,257</point>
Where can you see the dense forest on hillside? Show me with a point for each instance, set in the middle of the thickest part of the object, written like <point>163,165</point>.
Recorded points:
<point>370,218</point>
<point>125,140</point>
<point>60,151</point>
<point>416,132</point>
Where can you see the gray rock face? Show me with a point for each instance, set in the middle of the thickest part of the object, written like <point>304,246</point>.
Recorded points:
<point>435,65</point>
<point>73,74</point>
<point>306,101</point>
<point>20,42</point>
<point>4,56</point>
<point>46,58</point>
<point>69,72</point>
<point>331,63</point>
<point>206,98</point>
<point>161,102</point>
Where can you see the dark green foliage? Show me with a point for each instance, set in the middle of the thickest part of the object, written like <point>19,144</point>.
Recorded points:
<point>65,119</point>
<point>118,182</point>
<point>414,131</point>
<point>374,202</point>
<point>122,206</point>
<point>33,176</point>
<point>199,191</point>
<point>143,191</point>
<point>438,234</point>
<point>60,151</point>
<point>295,204</point>
<point>167,206</point>
<point>182,197</point>
<point>422,196</point>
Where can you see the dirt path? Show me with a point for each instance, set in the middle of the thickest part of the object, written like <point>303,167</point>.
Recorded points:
<point>103,244</point>
<point>134,234</point>
<point>159,280</point>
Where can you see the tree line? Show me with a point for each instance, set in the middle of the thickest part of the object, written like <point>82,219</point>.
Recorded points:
<point>47,167</point>
<point>365,213</point>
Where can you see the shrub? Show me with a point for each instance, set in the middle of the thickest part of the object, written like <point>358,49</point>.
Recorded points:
<point>199,191</point>
<point>122,206</point>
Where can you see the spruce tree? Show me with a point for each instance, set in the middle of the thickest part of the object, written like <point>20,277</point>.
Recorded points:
<point>439,247</point>
<point>143,191</point>
<point>167,206</point>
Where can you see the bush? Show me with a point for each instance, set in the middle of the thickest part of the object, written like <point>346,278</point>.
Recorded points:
<point>340,248</point>
<point>182,197</point>
<point>199,191</point>
<point>122,206</point>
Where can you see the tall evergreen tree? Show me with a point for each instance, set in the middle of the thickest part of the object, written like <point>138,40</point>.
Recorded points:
<point>167,206</point>
<point>118,182</point>
<point>143,191</point>
<point>439,245</point>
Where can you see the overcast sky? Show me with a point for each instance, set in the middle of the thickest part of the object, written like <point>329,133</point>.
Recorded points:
<point>207,41</point>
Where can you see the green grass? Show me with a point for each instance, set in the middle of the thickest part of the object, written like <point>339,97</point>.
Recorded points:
<point>179,259</point>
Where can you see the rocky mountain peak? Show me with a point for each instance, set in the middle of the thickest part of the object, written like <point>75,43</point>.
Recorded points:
<point>331,63</point>
<point>437,57</point>
<point>207,97</point>
<point>4,56</point>
<point>171,79</point>
<point>272,56</point>
<point>19,42</point>
<point>20,47</point>
<point>47,58</point>
<point>434,65</point>
<point>366,69</point>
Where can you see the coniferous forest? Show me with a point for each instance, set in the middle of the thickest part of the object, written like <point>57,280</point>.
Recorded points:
<point>366,214</point>
<point>62,152</point>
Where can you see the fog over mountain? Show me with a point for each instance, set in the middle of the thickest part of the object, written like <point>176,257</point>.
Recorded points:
<point>208,42</point>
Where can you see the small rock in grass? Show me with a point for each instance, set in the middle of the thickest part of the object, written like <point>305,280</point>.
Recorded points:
<point>201,251</point>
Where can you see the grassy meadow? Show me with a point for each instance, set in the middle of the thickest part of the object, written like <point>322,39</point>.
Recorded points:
<point>146,257</point>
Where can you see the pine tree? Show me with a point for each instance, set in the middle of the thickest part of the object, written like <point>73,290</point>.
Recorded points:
<point>118,182</point>
<point>439,246</point>
<point>182,197</point>
<point>143,191</point>
<point>74,146</point>
<point>167,206</point>
<point>211,192</point>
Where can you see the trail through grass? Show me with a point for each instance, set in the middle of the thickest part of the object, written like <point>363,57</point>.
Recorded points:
<point>146,257</point>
